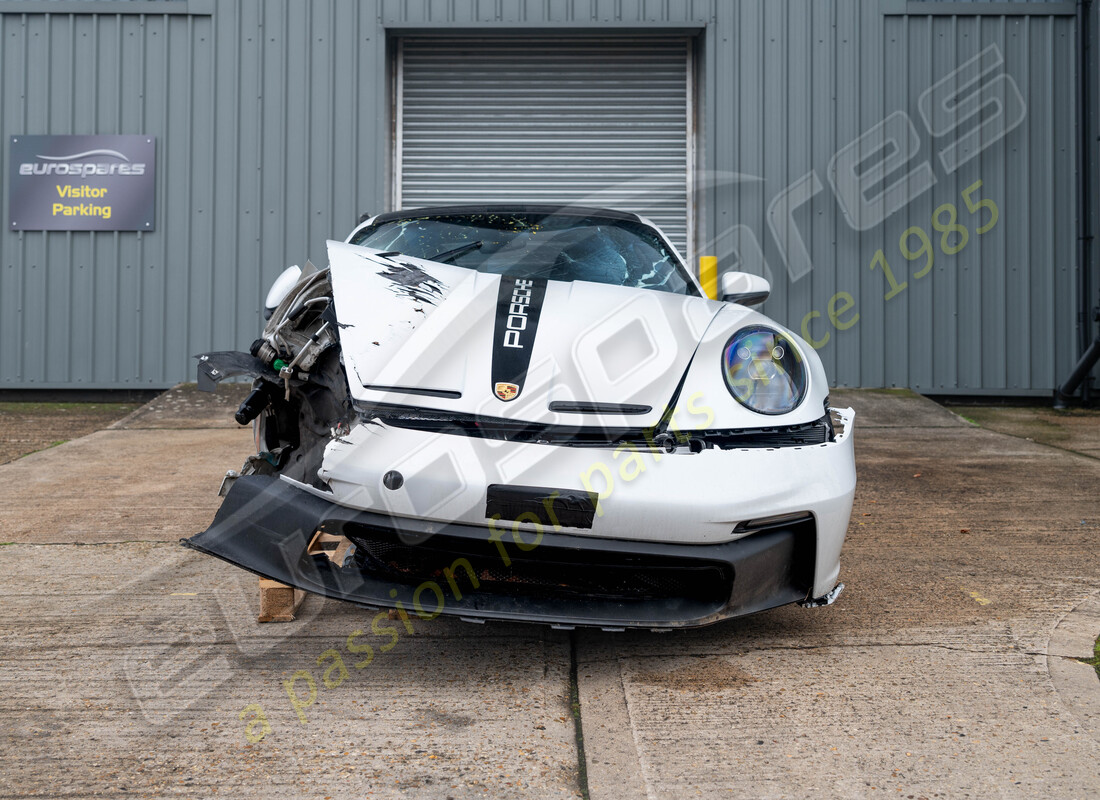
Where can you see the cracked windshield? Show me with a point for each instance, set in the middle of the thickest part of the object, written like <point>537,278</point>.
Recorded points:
<point>554,247</point>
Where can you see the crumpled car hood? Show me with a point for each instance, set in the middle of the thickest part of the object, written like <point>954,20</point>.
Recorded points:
<point>434,336</point>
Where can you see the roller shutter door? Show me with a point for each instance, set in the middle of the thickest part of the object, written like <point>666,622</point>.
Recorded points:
<point>605,122</point>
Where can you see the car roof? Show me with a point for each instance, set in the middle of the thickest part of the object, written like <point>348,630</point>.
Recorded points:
<point>507,208</point>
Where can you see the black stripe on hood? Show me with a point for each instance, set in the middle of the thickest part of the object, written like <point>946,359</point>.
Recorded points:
<point>519,306</point>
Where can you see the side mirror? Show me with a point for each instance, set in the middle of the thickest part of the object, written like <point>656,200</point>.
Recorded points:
<point>281,288</point>
<point>745,289</point>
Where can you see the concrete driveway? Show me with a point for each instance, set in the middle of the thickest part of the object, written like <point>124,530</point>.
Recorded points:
<point>947,669</point>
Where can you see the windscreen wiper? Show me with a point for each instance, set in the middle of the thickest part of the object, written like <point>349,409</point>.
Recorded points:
<point>455,252</point>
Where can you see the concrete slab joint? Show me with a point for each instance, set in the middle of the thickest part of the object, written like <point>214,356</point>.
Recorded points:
<point>1073,639</point>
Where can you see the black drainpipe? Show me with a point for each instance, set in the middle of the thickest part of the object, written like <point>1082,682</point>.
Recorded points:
<point>1090,354</point>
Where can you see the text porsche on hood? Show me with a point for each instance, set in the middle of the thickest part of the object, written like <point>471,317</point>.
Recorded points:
<point>517,313</point>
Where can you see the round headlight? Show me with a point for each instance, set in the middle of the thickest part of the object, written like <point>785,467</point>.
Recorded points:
<point>764,371</point>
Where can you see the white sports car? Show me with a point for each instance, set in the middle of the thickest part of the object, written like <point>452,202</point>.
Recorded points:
<point>534,413</point>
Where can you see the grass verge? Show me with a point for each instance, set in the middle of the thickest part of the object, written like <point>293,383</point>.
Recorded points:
<point>1094,662</point>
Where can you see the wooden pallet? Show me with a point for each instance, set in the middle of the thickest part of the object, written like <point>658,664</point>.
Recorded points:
<point>279,602</point>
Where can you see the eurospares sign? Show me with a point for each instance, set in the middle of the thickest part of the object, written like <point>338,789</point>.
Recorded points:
<point>82,183</point>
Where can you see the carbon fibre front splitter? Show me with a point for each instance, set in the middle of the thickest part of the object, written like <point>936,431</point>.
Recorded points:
<point>265,526</point>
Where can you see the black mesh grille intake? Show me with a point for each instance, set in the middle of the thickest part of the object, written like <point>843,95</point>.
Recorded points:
<point>543,570</point>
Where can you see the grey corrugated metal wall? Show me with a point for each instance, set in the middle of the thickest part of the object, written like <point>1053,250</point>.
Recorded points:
<point>273,132</point>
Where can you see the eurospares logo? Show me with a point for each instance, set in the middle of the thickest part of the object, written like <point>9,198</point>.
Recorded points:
<point>75,165</point>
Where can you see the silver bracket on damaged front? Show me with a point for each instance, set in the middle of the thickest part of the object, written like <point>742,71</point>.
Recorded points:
<point>826,600</point>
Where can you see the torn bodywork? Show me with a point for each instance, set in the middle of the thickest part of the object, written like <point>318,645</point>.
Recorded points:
<point>299,400</point>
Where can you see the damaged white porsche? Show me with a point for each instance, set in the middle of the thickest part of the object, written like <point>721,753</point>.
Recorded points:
<point>534,413</point>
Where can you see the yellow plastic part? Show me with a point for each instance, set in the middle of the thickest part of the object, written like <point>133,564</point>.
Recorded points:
<point>708,275</point>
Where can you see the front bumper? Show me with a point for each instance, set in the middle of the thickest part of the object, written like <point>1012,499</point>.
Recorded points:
<point>265,525</point>
<point>686,498</point>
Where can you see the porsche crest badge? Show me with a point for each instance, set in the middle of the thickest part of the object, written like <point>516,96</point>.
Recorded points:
<point>507,391</point>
